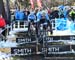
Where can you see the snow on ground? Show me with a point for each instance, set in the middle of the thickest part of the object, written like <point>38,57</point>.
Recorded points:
<point>69,31</point>
<point>4,44</point>
<point>60,33</point>
<point>5,56</point>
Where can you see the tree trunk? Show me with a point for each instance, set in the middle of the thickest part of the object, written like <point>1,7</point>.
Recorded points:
<point>8,11</point>
<point>2,10</point>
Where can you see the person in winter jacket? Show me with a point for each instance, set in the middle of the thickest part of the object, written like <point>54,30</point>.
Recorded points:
<point>72,14</point>
<point>65,12</point>
<point>31,20</point>
<point>42,16</point>
<point>2,22</point>
<point>31,17</point>
<point>19,15</point>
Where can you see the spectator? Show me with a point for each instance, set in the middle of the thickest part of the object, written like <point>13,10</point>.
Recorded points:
<point>16,14</point>
<point>31,17</point>
<point>49,11</point>
<point>72,14</point>
<point>65,10</point>
<point>60,13</point>
<point>42,16</point>
<point>54,14</point>
<point>35,12</point>
<point>38,15</point>
<point>19,15</point>
<point>27,11</point>
<point>2,22</point>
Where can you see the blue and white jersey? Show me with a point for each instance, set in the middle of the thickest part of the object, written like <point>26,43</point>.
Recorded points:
<point>19,15</point>
<point>31,16</point>
<point>42,14</point>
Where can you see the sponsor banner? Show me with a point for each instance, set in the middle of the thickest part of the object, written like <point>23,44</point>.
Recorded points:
<point>69,37</point>
<point>23,51</point>
<point>25,40</point>
<point>56,49</point>
<point>58,40</point>
<point>46,39</point>
<point>61,51</point>
<point>49,50</point>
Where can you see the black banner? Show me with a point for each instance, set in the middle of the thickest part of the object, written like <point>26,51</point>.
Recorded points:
<point>26,40</point>
<point>23,51</point>
<point>58,48</point>
<point>50,49</point>
<point>70,37</point>
<point>55,49</point>
<point>61,51</point>
<point>73,47</point>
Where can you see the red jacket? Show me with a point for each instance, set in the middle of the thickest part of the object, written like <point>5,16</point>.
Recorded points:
<point>2,22</point>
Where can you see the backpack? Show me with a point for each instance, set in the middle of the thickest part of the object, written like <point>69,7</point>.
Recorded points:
<point>2,23</point>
